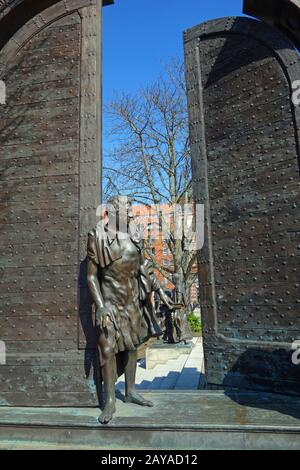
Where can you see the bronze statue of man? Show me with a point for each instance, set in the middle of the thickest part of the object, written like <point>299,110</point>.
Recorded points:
<point>177,329</point>
<point>116,269</point>
<point>150,284</point>
<point>183,332</point>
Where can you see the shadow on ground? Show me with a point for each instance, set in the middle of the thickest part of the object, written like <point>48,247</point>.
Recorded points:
<point>265,379</point>
<point>189,379</point>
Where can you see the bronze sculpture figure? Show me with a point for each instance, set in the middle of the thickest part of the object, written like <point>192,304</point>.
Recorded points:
<point>177,329</point>
<point>183,332</point>
<point>119,281</point>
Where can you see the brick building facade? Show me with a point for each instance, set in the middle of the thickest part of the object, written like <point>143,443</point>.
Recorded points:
<point>151,222</point>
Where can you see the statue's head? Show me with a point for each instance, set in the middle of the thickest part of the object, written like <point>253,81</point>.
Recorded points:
<point>118,213</point>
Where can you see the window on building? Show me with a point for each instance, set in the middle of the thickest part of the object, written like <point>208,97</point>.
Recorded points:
<point>167,262</point>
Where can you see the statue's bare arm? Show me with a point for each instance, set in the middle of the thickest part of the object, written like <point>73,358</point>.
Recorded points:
<point>156,287</point>
<point>94,286</point>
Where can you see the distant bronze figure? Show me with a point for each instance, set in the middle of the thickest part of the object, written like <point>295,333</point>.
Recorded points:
<point>183,332</point>
<point>119,282</point>
<point>177,329</point>
<point>151,284</point>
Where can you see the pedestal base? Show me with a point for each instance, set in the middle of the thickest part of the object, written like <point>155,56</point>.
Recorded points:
<point>179,420</point>
<point>160,352</point>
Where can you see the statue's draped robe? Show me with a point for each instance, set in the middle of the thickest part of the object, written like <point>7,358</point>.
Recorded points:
<point>132,319</point>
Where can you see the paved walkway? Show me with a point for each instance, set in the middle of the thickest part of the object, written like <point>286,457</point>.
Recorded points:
<point>184,373</point>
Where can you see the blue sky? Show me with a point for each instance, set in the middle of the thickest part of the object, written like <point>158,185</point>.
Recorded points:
<point>140,35</point>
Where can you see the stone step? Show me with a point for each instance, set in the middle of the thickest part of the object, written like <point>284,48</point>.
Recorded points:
<point>173,374</point>
<point>192,374</point>
<point>185,372</point>
<point>153,379</point>
<point>158,377</point>
<point>161,353</point>
<point>145,377</point>
<point>168,373</point>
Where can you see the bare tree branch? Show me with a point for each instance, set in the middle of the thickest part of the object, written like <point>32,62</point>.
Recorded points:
<point>149,159</point>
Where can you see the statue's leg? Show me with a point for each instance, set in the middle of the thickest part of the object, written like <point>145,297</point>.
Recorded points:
<point>178,327</point>
<point>109,377</point>
<point>109,373</point>
<point>131,395</point>
<point>169,327</point>
<point>183,332</point>
<point>165,337</point>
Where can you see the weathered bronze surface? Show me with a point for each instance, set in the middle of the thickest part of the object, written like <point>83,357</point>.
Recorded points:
<point>152,285</point>
<point>50,152</point>
<point>183,332</point>
<point>284,14</point>
<point>177,329</point>
<point>244,132</point>
<point>120,284</point>
<point>203,420</point>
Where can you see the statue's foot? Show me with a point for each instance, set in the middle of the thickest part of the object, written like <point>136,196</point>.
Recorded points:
<point>137,399</point>
<point>187,341</point>
<point>107,413</point>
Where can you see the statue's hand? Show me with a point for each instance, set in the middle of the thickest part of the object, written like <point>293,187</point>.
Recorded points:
<point>101,317</point>
<point>168,302</point>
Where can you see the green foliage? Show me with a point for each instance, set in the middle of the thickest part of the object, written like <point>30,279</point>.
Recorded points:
<point>194,322</point>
